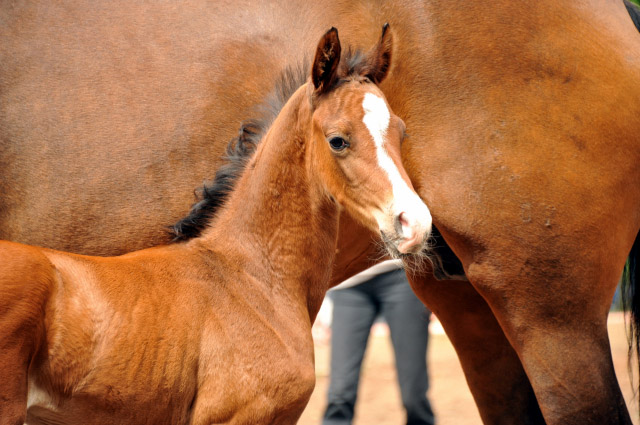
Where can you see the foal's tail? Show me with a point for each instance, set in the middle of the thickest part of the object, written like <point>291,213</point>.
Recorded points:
<point>631,299</point>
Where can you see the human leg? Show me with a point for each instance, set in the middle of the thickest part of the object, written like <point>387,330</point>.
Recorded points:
<point>353,315</point>
<point>408,321</point>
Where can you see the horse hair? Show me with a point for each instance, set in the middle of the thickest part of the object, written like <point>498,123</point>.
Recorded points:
<point>211,196</point>
<point>634,13</point>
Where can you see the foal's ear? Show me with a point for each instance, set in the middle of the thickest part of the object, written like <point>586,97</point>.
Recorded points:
<point>325,64</point>
<point>379,57</point>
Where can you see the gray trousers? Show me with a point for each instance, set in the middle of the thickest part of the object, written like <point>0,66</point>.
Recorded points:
<point>354,312</point>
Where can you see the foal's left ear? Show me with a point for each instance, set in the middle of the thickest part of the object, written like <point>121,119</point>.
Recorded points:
<point>379,57</point>
<point>325,64</point>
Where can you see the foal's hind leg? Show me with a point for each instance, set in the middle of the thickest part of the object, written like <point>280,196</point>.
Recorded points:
<point>493,371</point>
<point>24,277</point>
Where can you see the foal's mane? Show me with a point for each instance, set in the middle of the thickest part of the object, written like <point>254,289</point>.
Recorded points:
<point>211,196</point>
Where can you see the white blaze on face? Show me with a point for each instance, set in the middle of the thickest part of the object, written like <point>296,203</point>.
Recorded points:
<point>377,118</point>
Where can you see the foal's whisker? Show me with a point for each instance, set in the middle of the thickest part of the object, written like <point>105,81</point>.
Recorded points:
<point>414,264</point>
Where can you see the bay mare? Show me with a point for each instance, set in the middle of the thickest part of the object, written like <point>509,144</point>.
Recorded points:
<point>523,142</point>
<point>216,328</point>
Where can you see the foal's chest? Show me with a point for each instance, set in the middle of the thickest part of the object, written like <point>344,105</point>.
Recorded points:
<point>264,382</point>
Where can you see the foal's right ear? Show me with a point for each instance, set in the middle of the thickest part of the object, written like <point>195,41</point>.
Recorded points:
<point>325,64</point>
<point>379,57</point>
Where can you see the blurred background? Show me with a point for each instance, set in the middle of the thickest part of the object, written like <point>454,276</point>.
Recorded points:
<point>379,397</point>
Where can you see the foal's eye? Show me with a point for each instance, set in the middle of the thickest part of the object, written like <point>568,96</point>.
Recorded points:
<point>338,143</point>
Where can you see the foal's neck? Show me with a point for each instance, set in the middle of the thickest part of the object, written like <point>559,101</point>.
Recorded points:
<point>279,218</point>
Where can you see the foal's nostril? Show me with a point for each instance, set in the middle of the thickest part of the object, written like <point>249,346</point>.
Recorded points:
<point>403,225</point>
<point>411,231</point>
<point>402,217</point>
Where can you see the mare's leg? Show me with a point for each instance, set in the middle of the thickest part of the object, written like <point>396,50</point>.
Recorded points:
<point>353,315</point>
<point>493,371</point>
<point>24,286</point>
<point>408,321</point>
<point>554,313</point>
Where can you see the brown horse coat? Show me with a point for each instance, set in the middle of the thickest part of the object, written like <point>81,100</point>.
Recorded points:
<point>524,143</point>
<point>217,328</point>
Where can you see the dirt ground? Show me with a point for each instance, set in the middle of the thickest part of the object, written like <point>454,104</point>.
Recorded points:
<point>379,398</point>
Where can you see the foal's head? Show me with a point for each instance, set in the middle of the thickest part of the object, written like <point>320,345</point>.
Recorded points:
<point>357,140</point>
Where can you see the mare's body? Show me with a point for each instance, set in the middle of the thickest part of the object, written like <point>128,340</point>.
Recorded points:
<point>524,142</point>
<point>216,328</point>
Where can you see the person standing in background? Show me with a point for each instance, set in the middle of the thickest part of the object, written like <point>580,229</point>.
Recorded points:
<point>380,290</point>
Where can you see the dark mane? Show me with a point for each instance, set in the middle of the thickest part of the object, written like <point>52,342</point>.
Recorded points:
<point>355,63</point>
<point>213,195</point>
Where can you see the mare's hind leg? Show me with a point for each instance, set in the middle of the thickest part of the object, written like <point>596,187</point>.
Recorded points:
<point>24,286</point>
<point>493,371</point>
<point>554,313</point>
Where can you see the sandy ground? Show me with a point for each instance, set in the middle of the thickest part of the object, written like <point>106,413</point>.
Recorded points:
<point>379,398</point>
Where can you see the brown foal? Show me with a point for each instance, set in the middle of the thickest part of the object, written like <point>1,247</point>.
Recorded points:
<point>215,329</point>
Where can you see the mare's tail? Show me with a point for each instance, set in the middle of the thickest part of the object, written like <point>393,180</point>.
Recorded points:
<point>634,12</point>
<point>631,299</point>
<point>630,286</point>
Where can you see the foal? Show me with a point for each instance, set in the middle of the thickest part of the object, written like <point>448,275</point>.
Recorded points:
<point>215,329</point>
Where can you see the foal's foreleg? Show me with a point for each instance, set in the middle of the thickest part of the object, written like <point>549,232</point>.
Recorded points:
<point>24,286</point>
<point>493,371</point>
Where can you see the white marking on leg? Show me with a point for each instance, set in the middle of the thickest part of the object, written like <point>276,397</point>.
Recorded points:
<point>39,397</point>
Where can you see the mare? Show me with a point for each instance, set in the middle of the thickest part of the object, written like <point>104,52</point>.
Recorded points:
<point>523,141</point>
<point>215,328</point>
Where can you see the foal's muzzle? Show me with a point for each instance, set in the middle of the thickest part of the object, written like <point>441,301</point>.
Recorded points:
<point>413,232</point>
<point>407,229</point>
